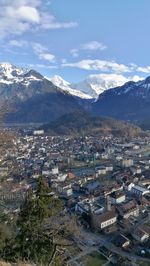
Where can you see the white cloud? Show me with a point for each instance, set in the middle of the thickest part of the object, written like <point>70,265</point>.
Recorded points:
<point>19,16</point>
<point>48,57</point>
<point>39,48</point>
<point>135,78</point>
<point>64,60</point>
<point>18,3</point>
<point>93,46</point>
<point>74,52</point>
<point>144,69</point>
<point>102,65</point>
<point>17,43</point>
<point>16,19</point>
<point>133,66</point>
<point>109,66</point>
<point>89,46</point>
<point>109,80</point>
<point>42,52</point>
<point>42,66</point>
<point>119,79</point>
<point>26,13</point>
<point>50,22</point>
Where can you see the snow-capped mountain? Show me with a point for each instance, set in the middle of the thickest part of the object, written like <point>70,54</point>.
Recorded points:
<point>89,88</point>
<point>37,99</point>
<point>67,87</point>
<point>97,84</point>
<point>129,102</point>
<point>10,74</point>
<point>93,85</point>
<point>31,96</point>
<point>19,83</point>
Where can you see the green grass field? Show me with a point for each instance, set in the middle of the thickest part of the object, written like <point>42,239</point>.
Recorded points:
<point>94,259</point>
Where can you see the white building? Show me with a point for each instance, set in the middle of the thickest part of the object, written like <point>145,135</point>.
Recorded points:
<point>38,132</point>
<point>117,198</point>
<point>109,168</point>
<point>140,191</point>
<point>141,234</point>
<point>129,185</point>
<point>62,177</point>
<point>55,170</point>
<point>128,209</point>
<point>105,219</point>
<point>101,170</point>
<point>136,170</point>
<point>66,191</point>
<point>87,205</point>
<point>127,162</point>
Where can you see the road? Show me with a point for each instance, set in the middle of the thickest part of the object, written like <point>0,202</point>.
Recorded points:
<point>106,243</point>
<point>102,241</point>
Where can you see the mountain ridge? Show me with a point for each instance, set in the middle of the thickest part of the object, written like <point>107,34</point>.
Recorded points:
<point>83,123</point>
<point>31,96</point>
<point>129,102</point>
<point>34,98</point>
<point>67,87</point>
<point>92,86</point>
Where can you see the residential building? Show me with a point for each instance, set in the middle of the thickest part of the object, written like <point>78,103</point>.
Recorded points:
<point>105,219</point>
<point>139,191</point>
<point>128,209</point>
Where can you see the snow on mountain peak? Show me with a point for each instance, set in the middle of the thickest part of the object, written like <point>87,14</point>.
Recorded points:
<point>10,74</point>
<point>93,85</point>
<point>67,87</point>
<point>6,65</point>
<point>11,70</point>
<point>98,83</point>
<point>60,82</point>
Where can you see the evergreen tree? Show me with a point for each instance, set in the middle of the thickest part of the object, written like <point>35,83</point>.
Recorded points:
<point>32,242</point>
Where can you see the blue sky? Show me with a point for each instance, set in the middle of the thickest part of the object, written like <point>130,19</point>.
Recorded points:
<point>77,38</point>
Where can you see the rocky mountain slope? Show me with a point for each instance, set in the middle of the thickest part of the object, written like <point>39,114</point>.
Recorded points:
<point>67,87</point>
<point>91,86</point>
<point>81,122</point>
<point>32,97</point>
<point>128,102</point>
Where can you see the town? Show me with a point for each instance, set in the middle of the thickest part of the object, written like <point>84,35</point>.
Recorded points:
<point>103,180</point>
